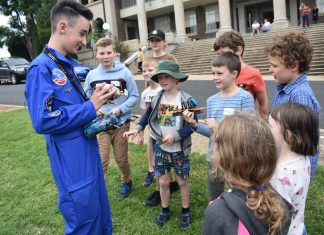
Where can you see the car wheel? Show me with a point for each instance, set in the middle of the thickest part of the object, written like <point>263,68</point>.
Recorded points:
<point>13,79</point>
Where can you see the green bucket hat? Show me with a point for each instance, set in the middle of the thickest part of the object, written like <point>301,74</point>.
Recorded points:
<point>169,67</point>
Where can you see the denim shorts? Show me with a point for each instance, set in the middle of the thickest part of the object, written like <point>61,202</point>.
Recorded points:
<point>164,161</point>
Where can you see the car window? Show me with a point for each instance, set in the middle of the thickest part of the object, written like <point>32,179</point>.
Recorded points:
<point>17,61</point>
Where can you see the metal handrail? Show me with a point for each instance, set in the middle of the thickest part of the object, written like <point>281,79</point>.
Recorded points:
<point>134,56</point>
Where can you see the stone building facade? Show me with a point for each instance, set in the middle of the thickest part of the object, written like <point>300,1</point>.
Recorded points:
<point>192,19</point>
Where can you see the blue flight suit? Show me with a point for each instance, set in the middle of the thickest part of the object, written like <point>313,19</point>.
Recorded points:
<point>59,112</point>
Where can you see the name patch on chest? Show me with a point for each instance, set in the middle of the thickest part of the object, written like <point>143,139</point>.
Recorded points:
<point>58,77</point>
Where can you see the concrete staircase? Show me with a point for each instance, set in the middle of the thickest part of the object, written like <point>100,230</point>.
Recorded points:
<point>195,57</point>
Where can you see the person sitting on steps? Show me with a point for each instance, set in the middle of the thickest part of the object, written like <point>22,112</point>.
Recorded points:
<point>255,28</point>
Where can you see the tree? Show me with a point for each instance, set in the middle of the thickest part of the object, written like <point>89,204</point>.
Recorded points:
<point>4,31</point>
<point>23,15</point>
<point>96,30</point>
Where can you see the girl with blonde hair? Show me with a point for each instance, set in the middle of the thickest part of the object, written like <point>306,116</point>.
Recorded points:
<point>246,152</point>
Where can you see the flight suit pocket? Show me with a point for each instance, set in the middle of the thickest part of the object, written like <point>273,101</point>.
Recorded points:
<point>85,200</point>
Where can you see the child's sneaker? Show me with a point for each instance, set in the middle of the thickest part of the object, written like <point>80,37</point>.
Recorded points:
<point>149,179</point>
<point>185,220</point>
<point>153,200</point>
<point>162,219</point>
<point>174,187</point>
<point>126,189</point>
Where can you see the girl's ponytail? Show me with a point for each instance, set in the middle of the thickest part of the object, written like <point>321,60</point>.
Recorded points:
<point>268,205</point>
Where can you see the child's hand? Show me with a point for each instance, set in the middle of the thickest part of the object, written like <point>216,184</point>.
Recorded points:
<point>168,140</point>
<point>140,138</point>
<point>129,133</point>
<point>211,123</point>
<point>117,111</point>
<point>189,117</point>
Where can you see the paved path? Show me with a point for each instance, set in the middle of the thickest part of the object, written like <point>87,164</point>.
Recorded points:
<point>200,142</point>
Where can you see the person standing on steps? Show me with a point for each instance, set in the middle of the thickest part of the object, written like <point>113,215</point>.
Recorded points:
<point>140,59</point>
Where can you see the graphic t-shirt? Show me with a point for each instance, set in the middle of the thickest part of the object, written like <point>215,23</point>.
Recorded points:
<point>291,180</point>
<point>147,96</point>
<point>168,122</point>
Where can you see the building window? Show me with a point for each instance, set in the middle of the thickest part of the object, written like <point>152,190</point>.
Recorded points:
<point>127,3</point>
<point>212,17</point>
<point>191,22</point>
<point>162,23</point>
<point>320,5</point>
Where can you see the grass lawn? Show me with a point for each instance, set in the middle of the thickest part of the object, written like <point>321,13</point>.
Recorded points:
<point>28,195</point>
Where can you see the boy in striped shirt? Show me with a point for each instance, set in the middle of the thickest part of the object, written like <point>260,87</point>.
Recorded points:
<point>226,67</point>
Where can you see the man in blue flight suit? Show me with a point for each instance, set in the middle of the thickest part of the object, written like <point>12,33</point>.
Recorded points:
<point>59,109</point>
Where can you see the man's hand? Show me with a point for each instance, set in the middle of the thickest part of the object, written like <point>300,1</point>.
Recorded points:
<point>100,113</point>
<point>102,93</point>
<point>189,117</point>
<point>168,140</point>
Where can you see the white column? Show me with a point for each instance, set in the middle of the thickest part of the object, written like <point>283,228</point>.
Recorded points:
<point>224,16</point>
<point>111,17</point>
<point>280,17</point>
<point>180,21</point>
<point>241,18</point>
<point>142,22</point>
<point>293,12</point>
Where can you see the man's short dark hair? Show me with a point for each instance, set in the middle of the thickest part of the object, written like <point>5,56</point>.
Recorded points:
<point>69,10</point>
<point>228,59</point>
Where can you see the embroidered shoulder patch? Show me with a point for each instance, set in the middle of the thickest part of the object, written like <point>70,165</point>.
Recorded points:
<point>55,113</point>
<point>58,77</point>
<point>48,103</point>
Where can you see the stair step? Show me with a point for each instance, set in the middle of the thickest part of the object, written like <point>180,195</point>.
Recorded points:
<point>195,57</point>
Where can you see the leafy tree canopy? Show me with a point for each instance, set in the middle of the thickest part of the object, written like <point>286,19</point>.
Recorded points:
<point>23,15</point>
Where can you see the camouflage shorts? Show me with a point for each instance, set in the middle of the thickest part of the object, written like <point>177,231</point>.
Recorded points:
<point>164,161</point>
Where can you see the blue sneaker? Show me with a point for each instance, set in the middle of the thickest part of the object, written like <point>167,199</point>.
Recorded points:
<point>162,219</point>
<point>126,189</point>
<point>185,220</point>
<point>149,179</point>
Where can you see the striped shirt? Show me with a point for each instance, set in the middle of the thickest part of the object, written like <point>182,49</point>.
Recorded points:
<point>219,106</point>
<point>299,91</point>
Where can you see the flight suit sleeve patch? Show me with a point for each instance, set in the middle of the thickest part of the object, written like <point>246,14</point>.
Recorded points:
<point>48,103</point>
<point>58,77</point>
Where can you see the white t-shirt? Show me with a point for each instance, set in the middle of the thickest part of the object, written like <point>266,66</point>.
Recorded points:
<point>267,25</point>
<point>291,180</point>
<point>255,25</point>
<point>169,123</point>
<point>147,96</point>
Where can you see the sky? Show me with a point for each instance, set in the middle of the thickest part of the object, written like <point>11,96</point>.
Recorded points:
<point>3,51</point>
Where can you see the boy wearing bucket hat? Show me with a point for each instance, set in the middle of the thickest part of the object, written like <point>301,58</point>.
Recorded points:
<point>172,137</point>
<point>157,42</point>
